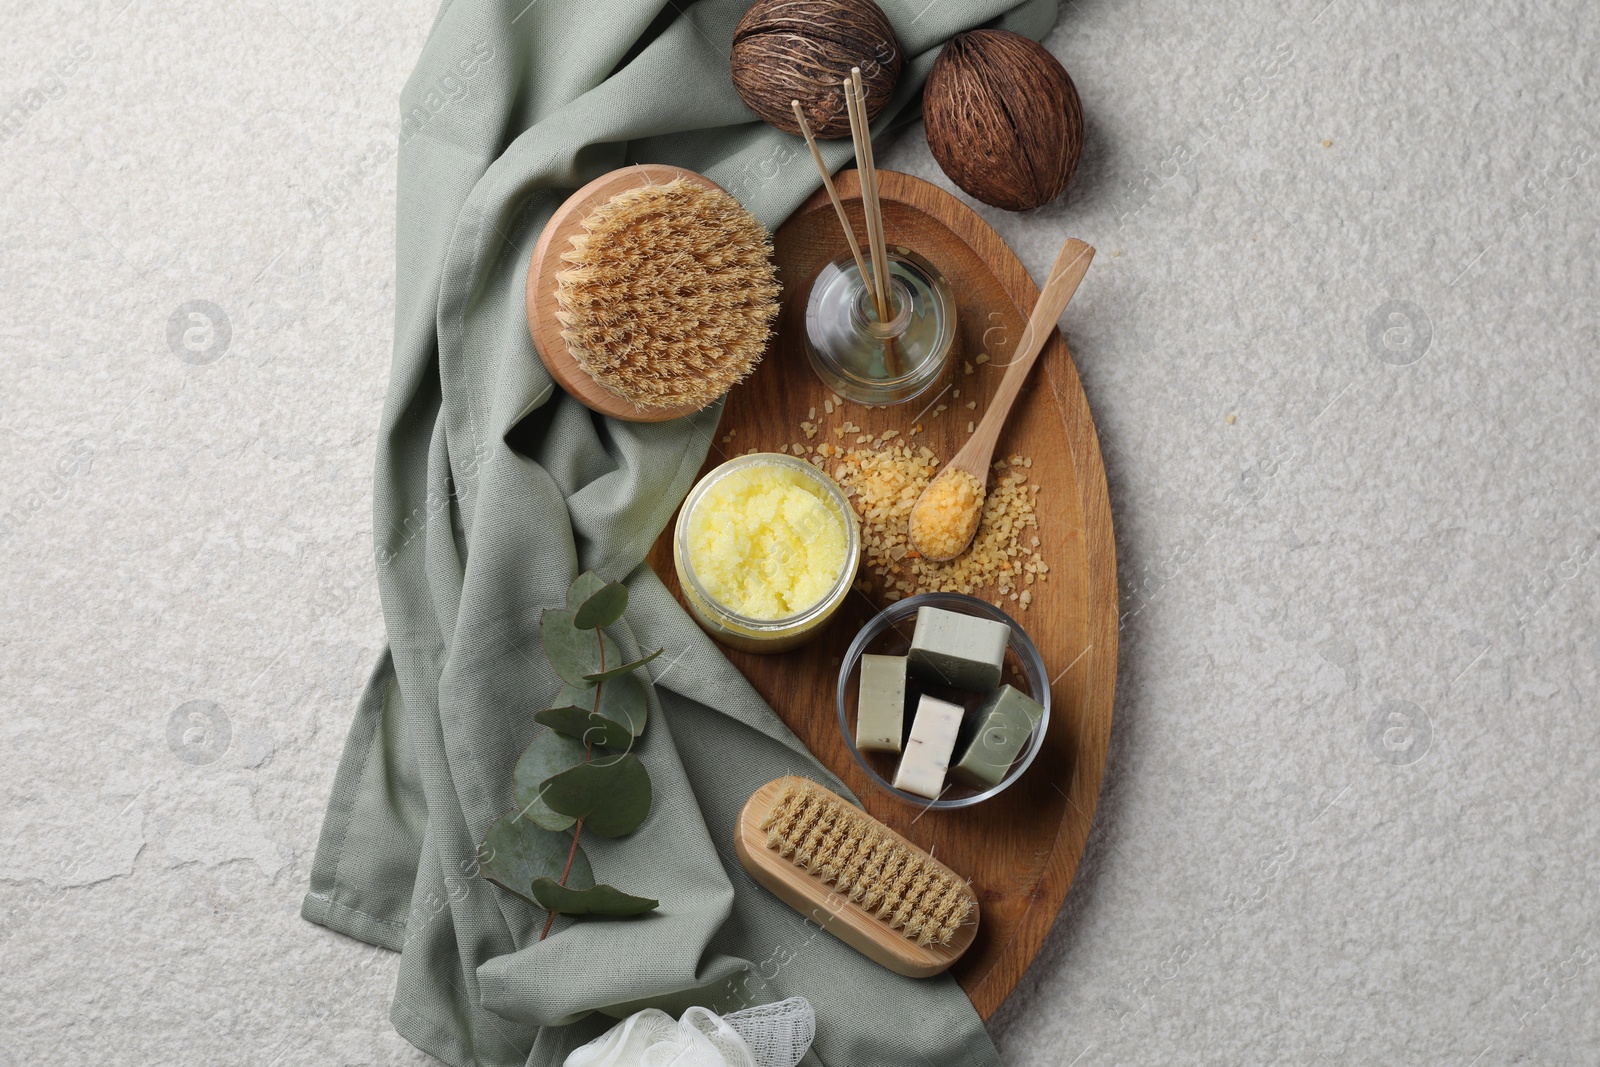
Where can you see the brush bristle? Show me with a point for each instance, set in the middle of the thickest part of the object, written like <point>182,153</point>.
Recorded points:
<point>848,848</point>
<point>670,296</point>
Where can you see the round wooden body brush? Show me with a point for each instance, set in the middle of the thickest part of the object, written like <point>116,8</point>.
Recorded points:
<point>651,292</point>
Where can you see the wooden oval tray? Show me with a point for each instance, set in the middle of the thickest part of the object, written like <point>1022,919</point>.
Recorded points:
<point>1021,849</point>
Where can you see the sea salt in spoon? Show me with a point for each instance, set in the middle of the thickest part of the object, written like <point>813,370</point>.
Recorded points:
<point>945,517</point>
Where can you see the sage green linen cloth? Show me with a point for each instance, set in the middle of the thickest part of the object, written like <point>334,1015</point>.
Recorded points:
<point>494,489</point>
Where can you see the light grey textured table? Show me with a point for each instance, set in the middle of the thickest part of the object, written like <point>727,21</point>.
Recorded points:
<point>1340,340</point>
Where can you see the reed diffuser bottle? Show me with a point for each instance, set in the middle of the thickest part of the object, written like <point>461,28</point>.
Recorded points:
<point>878,334</point>
<point>873,360</point>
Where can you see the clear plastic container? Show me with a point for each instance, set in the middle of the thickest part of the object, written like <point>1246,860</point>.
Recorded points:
<point>723,622</point>
<point>846,342</point>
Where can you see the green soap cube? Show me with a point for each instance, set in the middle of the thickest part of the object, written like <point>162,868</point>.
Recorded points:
<point>964,651</point>
<point>881,703</point>
<point>1005,722</point>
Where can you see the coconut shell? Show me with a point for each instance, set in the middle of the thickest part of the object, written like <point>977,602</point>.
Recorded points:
<point>1003,119</point>
<point>786,50</point>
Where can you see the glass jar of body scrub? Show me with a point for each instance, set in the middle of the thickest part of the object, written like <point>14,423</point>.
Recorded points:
<point>881,362</point>
<point>766,548</point>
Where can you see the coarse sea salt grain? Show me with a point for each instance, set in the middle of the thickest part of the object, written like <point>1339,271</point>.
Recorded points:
<point>945,517</point>
<point>884,481</point>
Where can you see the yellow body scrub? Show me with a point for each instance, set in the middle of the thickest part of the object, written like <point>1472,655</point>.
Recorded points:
<point>766,548</point>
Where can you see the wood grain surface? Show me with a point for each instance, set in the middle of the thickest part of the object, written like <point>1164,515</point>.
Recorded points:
<point>1021,849</point>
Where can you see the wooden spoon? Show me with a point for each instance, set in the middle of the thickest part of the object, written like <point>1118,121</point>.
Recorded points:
<point>945,517</point>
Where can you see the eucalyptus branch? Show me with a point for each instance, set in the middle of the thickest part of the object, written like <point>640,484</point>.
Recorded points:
<point>568,780</point>
<point>588,756</point>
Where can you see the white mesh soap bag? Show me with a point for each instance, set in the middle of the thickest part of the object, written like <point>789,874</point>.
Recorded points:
<point>768,1035</point>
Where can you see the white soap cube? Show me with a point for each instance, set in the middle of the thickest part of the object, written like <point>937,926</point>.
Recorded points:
<point>927,755</point>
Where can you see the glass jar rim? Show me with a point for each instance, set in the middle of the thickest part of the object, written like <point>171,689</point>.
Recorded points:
<point>833,494</point>
<point>900,296</point>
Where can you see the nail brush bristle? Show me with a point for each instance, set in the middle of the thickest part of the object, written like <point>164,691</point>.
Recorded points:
<point>838,844</point>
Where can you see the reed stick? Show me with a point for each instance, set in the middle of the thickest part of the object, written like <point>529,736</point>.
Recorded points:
<point>872,208</point>
<point>881,258</point>
<point>833,195</point>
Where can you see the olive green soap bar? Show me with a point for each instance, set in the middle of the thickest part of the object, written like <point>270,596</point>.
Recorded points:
<point>1005,722</point>
<point>964,651</point>
<point>881,703</point>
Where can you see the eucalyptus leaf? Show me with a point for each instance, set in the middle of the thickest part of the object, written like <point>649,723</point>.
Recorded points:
<point>622,699</point>
<point>566,773</point>
<point>596,900</point>
<point>585,727</point>
<point>602,608</point>
<point>582,588</point>
<point>515,853</point>
<point>611,795</point>
<point>616,672</point>
<point>548,754</point>
<point>575,654</point>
